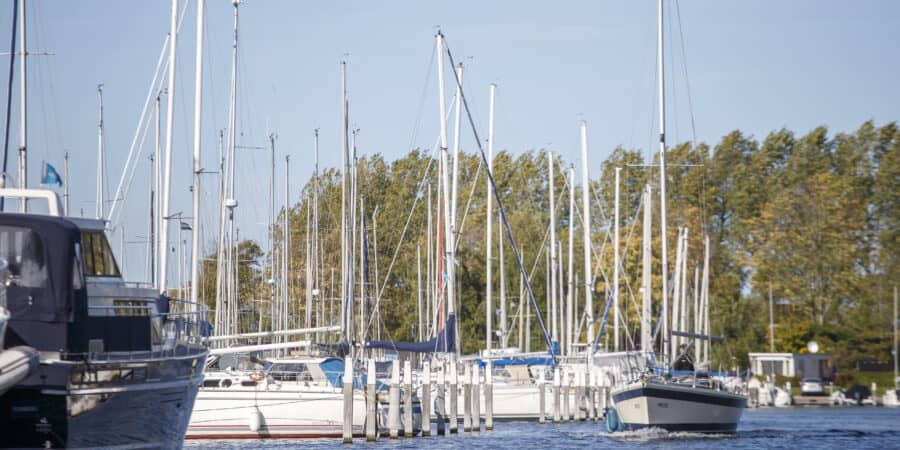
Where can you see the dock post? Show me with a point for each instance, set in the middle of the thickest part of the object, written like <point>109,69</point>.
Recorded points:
<point>592,395</point>
<point>440,412</point>
<point>566,388</point>
<point>556,398</point>
<point>394,405</point>
<point>426,399</point>
<point>489,396</point>
<point>476,399</point>
<point>583,405</point>
<point>542,398</point>
<point>371,402</point>
<point>454,399</point>
<point>407,399</point>
<point>348,400</point>
<point>467,399</point>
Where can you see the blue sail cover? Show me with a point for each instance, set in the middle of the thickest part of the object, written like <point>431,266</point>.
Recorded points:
<point>531,361</point>
<point>444,342</point>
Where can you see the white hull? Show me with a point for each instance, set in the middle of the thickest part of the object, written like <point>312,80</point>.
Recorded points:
<point>675,407</point>
<point>275,411</point>
<point>15,364</point>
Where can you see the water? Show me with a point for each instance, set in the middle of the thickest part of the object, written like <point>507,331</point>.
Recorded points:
<point>820,428</point>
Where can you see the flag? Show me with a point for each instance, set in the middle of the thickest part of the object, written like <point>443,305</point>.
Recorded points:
<point>51,176</point>
<point>185,226</point>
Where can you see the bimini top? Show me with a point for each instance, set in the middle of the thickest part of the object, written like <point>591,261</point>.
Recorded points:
<point>37,255</point>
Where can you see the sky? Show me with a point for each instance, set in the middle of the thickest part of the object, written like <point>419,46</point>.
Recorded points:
<point>754,66</point>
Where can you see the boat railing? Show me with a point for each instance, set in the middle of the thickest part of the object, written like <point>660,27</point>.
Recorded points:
<point>182,332</point>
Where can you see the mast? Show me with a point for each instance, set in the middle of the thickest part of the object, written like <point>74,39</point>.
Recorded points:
<point>286,245</point>
<point>345,309</point>
<point>705,299</point>
<point>309,273</point>
<point>646,329</point>
<point>317,270</point>
<point>504,315</point>
<point>771,321</point>
<point>896,377</point>
<point>419,304</point>
<point>489,284</point>
<point>23,108</point>
<point>570,310</point>
<point>586,230</point>
<point>157,182</point>
<point>450,229</point>
<point>150,238</point>
<point>662,180</point>
<point>553,313</point>
<point>675,298</point>
<point>100,181</point>
<point>198,116</point>
<point>170,124</point>
<point>616,265</point>
<point>66,181</point>
<point>429,269</point>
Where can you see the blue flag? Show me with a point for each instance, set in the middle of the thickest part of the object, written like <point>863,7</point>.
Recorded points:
<point>185,226</point>
<point>51,176</point>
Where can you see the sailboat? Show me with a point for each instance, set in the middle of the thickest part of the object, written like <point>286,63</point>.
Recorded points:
<point>653,398</point>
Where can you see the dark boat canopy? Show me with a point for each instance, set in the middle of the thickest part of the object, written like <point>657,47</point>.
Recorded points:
<point>37,255</point>
<point>444,342</point>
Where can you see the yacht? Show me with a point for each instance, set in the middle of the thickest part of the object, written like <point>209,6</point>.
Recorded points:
<point>247,398</point>
<point>119,365</point>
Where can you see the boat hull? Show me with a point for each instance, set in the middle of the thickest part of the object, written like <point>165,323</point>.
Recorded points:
<point>264,411</point>
<point>102,404</point>
<point>677,408</point>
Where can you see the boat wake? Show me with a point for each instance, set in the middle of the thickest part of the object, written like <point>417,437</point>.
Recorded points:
<point>659,434</point>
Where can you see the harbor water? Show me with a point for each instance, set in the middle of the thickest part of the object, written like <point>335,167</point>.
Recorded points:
<point>814,428</point>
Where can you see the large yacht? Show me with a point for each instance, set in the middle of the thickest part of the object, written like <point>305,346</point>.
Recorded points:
<point>119,364</point>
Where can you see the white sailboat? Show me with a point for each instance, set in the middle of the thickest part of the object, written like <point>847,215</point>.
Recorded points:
<point>653,398</point>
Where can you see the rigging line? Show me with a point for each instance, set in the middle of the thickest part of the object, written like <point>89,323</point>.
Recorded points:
<point>150,91</point>
<point>422,96</point>
<point>468,204</point>
<point>687,81</point>
<point>500,209</point>
<point>9,87</point>
<point>419,193</point>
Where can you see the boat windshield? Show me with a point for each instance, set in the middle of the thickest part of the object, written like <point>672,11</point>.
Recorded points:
<point>290,372</point>
<point>22,260</point>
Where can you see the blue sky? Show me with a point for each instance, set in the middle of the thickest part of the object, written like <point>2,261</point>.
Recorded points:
<point>755,66</point>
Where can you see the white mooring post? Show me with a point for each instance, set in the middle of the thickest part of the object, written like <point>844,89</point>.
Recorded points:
<point>426,399</point>
<point>476,399</point>
<point>542,398</point>
<point>556,398</point>
<point>348,400</point>
<point>489,396</point>
<point>441,410</point>
<point>394,405</point>
<point>407,399</point>
<point>566,388</point>
<point>454,398</point>
<point>371,401</point>
<point>467,398</point>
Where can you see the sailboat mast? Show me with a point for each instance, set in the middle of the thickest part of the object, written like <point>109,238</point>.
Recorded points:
<point>198,116</point>
<point>449,234</point>
<point>66,182</point>
<point>570,299</point>
<point>167,180</point>
<point>489,285</point>
<point>646,330</point>
<point>662,178</point>
<point>23,108</point>
<point>553,272</point>
<point>616,264</point>
<point>345,310</point>
<point>100,181</point>
<point>896,356</point>
<point>586,231</point>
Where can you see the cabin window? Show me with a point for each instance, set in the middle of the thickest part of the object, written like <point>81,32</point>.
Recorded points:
<point>22,258</point>
<point>290,372</point>
<point>98,256</point>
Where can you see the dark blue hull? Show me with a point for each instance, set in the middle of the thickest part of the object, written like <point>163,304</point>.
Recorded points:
<point>113,405</point>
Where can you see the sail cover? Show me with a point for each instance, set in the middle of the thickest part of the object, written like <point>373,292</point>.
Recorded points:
<point>444,342</point>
